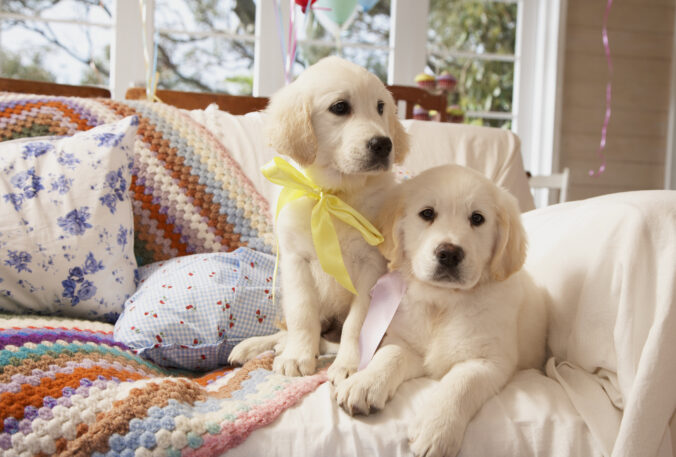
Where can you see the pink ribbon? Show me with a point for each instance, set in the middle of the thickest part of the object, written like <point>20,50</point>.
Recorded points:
<point>609,86</point>
<point>385,298</point>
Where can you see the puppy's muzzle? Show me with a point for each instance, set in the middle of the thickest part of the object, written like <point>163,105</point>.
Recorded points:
<point>379,148</point>
<point>449,257</point>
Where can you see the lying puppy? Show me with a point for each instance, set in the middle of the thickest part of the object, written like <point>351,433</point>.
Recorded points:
<point>469,316</point>
<point>339,122</point>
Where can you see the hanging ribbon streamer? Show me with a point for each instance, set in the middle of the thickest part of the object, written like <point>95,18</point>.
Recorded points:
<point>335,16</point>
<point>290,44</point>
<point>152,75</point>
<point>609,87</point>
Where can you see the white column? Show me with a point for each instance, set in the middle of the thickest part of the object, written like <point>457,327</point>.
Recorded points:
<point>268,58</point>
<point>127,62</point>
<point>670,153</point>
<point>408,40</point>
<point>537,82</point>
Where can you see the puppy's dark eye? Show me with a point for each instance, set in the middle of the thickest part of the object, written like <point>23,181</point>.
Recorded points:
<point>381,107</point>
<point>340,108</point>
<point>427,214</point>
<point>476,219</point>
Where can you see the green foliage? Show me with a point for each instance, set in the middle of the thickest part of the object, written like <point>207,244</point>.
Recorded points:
<point>481,27</point>
<point>244,84</point>
<point>24,67</point>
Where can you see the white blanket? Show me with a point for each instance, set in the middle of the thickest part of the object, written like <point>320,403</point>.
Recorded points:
<point>609,264</point>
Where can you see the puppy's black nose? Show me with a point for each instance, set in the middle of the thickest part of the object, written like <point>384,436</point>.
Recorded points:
<point>380,146</point>
<point>449,255</point>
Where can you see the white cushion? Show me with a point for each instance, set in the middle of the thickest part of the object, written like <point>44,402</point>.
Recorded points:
<point>494,152</point>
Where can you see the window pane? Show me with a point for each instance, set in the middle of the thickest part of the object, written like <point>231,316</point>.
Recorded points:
<point>473,26</point>
<point>82,10</point>
<point>482,85</point>
<point>460,32</point>
<point>370,29</point>
<point>199,60</point>
<point>59,51</point>
<point>375,60</point>
<point>206,15</point>
<point>205,64</point>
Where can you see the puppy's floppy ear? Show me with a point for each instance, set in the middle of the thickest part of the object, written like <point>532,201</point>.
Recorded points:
<point>400,139</point>
<point>509,253</point>
<point>289,125</point>
<point>388,223</point>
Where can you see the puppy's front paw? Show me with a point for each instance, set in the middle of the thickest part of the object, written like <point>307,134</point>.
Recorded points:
<point>433,436</point>
<point>345,365</point>
<point>294,366</point>
<point>243,352</point>
<point>252,347</point>
<point>339,372</point>
<point>361,394</point>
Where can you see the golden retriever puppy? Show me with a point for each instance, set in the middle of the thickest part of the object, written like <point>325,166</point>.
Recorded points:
<point>469,317</point>
<point>339,123</point>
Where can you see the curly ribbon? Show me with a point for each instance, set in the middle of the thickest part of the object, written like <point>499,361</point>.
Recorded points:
<point>609,86</point>
<point>290,45</point>
<point>152,75</point>
<point>297,185</point>
<point>288,53</point>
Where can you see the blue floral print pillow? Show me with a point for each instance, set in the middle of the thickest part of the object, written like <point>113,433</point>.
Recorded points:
<point>66,232</point>
<point>189,312</point>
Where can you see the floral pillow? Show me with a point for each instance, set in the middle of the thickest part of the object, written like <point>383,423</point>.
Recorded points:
<point>66,235</point>
<point>189,312</point>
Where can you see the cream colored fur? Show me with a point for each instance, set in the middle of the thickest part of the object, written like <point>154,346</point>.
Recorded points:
<point>470,330</point>
<point>333,149</point>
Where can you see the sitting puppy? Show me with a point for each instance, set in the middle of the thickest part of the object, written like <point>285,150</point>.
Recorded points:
<point>469,316</point>
<point>338,122</point>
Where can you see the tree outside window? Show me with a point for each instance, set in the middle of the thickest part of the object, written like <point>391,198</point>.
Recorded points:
<point>208,46</point>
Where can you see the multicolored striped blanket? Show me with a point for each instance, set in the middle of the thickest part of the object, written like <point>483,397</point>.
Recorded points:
<point>68,389</point>
<point>190,195</point>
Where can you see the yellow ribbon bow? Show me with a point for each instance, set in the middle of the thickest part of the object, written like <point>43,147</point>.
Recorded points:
<point>296,185</point>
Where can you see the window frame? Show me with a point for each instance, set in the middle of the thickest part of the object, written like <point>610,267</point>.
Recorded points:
<point>539,44</point>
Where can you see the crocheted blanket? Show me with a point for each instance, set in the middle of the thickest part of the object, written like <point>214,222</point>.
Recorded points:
<point>68,389</point>
<point>190,195</point>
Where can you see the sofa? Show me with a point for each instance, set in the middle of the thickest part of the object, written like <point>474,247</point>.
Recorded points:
<point>68,387</point>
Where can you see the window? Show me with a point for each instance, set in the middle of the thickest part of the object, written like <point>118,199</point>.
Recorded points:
<point>475,41</point>
<point>363,38</point>
<point>66,41</point>
<point>205,45</point>
<point>213,45</point>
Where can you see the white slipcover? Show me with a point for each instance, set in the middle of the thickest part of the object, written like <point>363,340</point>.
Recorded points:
<point>609,264</point>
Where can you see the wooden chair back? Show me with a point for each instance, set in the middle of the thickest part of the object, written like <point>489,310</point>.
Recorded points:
<point>242,104</point>
<point>24,86</point>
<point>234,104</point>
<point>417,96</point>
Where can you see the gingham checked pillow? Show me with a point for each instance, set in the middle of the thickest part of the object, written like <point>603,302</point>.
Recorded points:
<point>189,312</point>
